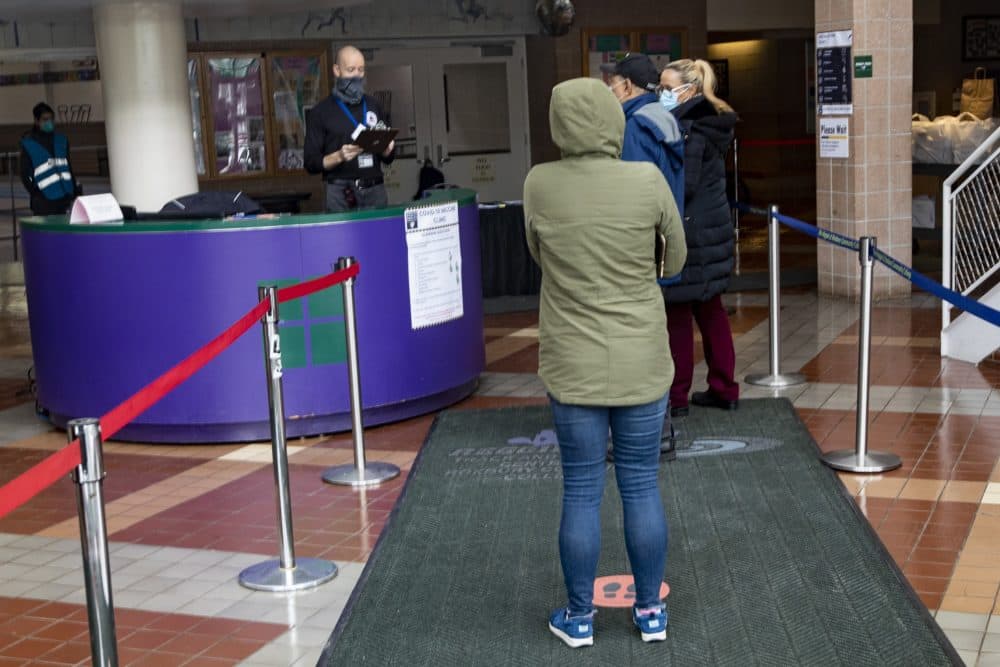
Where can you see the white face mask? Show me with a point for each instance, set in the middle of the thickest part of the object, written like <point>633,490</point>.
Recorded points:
<point>615,85</point>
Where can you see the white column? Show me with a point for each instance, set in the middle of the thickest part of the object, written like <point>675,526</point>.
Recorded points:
<point>142,52</point>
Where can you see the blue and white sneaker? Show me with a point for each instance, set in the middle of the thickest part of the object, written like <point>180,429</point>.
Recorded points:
<point>652,624</point>
<point>575,631</point>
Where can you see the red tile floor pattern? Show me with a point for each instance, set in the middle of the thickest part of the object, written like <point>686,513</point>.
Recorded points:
<point>35,632</point>
<point>331,522</point>
<point>125,474</point>
<point>925,536</point>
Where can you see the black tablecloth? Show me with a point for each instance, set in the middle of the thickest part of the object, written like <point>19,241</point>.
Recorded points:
<point>508,268</point>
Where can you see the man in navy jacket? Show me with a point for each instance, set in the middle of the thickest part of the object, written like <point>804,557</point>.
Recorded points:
<point>651,131</point>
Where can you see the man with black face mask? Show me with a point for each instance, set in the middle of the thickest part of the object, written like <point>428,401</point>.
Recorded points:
<point>45,169</point>
<point>353,178</point>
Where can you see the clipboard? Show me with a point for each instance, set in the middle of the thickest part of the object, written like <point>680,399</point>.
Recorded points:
<point>375,141</point>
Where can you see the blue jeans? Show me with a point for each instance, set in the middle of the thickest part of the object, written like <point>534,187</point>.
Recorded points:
<point>583,439</point>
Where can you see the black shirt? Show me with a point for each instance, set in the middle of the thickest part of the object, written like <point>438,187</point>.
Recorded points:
<point>328,128</point>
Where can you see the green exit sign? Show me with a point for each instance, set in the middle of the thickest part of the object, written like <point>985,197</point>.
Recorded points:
<point>862,67</point>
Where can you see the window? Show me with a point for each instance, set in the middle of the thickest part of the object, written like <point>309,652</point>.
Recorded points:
<point>194,90</point>
<point>249,110</point>
<point>296,87</point>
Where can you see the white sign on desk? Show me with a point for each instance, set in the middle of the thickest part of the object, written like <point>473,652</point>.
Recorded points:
<point>95,209</point>
<point>434,258</point>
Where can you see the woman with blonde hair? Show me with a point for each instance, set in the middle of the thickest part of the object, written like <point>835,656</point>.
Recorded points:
<point>687,89</point>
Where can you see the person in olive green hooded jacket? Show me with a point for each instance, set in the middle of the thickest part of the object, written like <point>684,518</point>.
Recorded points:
<point>591,221</point>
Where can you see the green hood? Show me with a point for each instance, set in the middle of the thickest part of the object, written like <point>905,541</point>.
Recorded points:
<point>586,119</point>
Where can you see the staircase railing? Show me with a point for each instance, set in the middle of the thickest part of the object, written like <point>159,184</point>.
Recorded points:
<point>971,222</point>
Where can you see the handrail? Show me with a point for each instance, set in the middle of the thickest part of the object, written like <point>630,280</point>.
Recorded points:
<point>960,200</point>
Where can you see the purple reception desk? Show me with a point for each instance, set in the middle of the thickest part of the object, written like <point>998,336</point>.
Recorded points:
<point>112,307</point>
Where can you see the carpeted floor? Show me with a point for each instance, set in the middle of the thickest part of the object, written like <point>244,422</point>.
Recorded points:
<point>770,563</point>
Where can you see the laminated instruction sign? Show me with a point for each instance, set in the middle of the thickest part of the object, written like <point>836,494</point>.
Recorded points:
<point>434,262</point>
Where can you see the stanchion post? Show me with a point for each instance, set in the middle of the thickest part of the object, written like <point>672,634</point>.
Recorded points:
<point>89,476</point>
<point>286,573</point>
<point>861,459</point>
<point>13,206</point>
<point>775,378</point>
<point>736,199</point>
<point>362,473</point>
<point>736,189</point>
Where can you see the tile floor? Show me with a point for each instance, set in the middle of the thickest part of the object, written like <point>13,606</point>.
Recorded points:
<point>185,520</point>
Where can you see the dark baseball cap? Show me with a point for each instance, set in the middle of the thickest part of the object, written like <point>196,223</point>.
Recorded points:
<point>637,68</point>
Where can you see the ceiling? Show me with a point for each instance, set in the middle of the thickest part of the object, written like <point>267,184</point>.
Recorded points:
<point>41,10</point>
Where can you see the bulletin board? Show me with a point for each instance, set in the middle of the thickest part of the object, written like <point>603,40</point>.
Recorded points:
<point>608,45</point>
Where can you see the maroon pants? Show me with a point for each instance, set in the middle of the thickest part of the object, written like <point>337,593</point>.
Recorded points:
<point>717,340</point>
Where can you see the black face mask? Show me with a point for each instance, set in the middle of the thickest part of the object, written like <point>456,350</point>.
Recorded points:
<point>351,90</point>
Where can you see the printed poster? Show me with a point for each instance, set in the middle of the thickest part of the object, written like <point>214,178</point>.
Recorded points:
<point>834,137</point>
<point>434,259</point>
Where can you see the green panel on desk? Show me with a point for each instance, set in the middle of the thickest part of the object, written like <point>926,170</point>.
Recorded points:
<point>293,347</point>
<point>329,344</point>
<point>289,310</point>
<point>328,303</point>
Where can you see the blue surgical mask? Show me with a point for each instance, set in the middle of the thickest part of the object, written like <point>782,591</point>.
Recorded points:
<point>48,126</point>
<point>668,99</point>
<point>671,98</point>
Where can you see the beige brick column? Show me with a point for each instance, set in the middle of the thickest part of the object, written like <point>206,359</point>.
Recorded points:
<point>869,193</point>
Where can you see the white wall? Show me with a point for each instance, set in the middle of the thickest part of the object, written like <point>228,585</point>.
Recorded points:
<point>16,102</point>
<point>378,20</point>
<point>59,33</point>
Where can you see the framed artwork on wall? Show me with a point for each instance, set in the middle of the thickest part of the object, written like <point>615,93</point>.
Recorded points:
<point>608,45</point>
<point>981,38</point>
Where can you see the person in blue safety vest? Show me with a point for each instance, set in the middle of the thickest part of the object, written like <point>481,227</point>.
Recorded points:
<point>46,171</point>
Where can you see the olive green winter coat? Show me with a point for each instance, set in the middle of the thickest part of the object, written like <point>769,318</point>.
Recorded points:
<point>591,221</point>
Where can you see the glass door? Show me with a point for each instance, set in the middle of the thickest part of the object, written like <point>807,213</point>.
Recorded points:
<point>398,80</point>
<point>460,109</point>
<point>479,116</point>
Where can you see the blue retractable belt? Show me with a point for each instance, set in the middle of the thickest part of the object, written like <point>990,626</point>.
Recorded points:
<point>972,306</point>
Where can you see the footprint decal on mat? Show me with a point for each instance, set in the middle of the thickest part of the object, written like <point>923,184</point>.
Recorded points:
<point>619,591</point>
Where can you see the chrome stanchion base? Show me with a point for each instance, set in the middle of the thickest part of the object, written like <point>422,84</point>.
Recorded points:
<point>775,381</point>
<point>848,461</point>
<point>349,475</point>
<point>270,576</point>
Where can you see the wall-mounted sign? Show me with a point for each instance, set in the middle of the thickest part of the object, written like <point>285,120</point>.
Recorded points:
<point>833,72</point>
<point>863,67</point>
<point>484,170</point>
<point>834,137</point>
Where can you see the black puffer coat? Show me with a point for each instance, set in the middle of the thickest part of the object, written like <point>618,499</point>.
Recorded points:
<point>708,224</point>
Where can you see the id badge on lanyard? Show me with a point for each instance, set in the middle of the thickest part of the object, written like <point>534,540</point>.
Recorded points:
<point>365,160</point>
